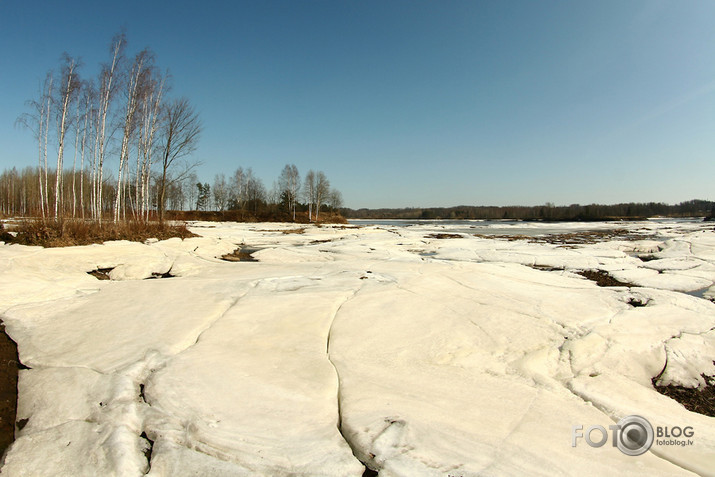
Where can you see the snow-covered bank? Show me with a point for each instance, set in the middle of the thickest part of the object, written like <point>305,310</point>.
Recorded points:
<point>382,345</point>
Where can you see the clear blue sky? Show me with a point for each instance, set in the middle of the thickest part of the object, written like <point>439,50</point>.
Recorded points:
<point>413,103</point>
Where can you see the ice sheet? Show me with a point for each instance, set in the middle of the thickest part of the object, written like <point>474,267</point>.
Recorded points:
<point>343,346</point>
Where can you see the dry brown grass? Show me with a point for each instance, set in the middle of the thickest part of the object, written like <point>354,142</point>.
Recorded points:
<point>65,233</point>
<point>4,235</point>
<point>700,399</point>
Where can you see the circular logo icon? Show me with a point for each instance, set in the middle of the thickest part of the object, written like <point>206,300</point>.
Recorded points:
<point>635,436</point>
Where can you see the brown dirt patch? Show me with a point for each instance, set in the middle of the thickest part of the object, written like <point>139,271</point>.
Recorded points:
<point>590,236</point>
<point>444,236</point>
<point>547,268</point>
<point>9,366</point>
<point>700,400</point>
<point>239,255</point>
<point>636,303</point>
<point>347,227</point>
<point>101,273</point>
<point>575,238</point>
<point>510,238</point>
<point>603,279</point>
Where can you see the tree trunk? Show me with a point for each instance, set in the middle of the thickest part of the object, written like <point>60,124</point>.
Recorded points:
<point>60,148</point>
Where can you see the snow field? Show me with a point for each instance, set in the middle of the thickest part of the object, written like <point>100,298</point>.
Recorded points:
<point>345,346</point>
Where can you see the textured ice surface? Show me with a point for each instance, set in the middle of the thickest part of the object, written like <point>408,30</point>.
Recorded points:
<point>344,346</point>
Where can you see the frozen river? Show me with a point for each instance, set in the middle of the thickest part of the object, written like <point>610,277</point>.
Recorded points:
<point>421,349</point>
<point>528,228</point>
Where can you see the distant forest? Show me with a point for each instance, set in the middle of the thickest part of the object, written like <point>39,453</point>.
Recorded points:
<point>547,212</point>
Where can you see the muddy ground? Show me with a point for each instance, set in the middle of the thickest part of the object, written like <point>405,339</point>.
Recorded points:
<point>9,366</point>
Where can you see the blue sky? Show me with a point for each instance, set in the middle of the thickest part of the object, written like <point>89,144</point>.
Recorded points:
<point>413,103</point>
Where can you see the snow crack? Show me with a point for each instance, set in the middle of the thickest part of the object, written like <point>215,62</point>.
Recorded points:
<point>337,372</point>
<point>233,303</point>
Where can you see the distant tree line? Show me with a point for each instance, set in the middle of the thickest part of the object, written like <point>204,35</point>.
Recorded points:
<point>547,212</point>
<point>291,198</point>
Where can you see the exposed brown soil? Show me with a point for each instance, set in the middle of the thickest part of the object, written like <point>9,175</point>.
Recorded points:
<point>603,279</point>
<point>148,451</point>
<point>9,366</point>
<point>700,400</point>
<point>574,238</point>
<point>547,268</point>
<point>637,303</point>
<point>369,472</point>
<point>444,236</point>
<point>509,237</point>
<point>593,236</point>
<point>101,273</point>
<point>239,255</point>
<point>298,230</point>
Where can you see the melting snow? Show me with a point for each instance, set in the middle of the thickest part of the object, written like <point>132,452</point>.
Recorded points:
<point>344,346</point>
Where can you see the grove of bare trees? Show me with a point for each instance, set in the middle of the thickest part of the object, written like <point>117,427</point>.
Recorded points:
<point>244,191</point>
<point>131,147</point>
<point>123,115</point>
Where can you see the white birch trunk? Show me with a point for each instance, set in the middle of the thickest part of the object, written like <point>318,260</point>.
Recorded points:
<point>128,120</point>
<point>47,134</point>
<point>104,108</point>
<point>61,145</point>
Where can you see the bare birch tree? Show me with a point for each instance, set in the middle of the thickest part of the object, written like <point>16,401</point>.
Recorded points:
<point>238,189</point>
<point>255,191</point>
<point>68,91</point>
<point>322,188</point>
<point>149,119</point>
<point>137,85</point>
<point>107,89</point>
<point>289,186</point>
<point>48,111</point>
<point>220,192</point>
<point>309,192</point>
<point>87,115</point>
<point>37,121</point>
<point>181,130</point>
<point>335,199</point>
<point>77,128</point>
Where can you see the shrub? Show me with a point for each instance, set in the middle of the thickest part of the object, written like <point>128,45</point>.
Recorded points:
<point>64,233</point>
